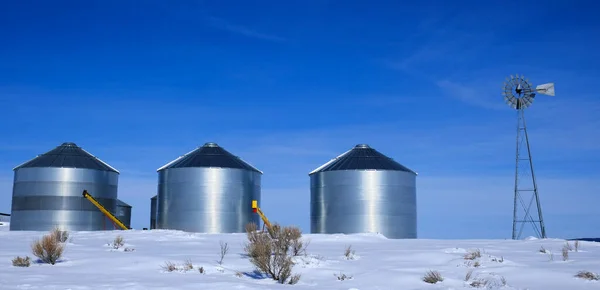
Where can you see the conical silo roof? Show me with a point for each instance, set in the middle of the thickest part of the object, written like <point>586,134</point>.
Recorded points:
<point>362,157</point>
<point>210,155</point>
<point>68,155</point>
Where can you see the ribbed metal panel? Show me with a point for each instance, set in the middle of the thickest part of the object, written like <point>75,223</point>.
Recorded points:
<point>207,200</point>
<point>153,206</point>
<point>44,198</point>
<point>208,190</point>
<point>366,200</point>
<point>124,213</point>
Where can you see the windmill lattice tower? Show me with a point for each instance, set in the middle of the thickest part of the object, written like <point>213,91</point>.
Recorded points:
<point>520,94</point>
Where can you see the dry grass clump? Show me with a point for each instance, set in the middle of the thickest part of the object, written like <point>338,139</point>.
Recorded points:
<point>186,266</point>
<point>170,267</point>
<point>433,277</point>
<point>588,275</point>
<point>48,249</point>
<point>21,262</point>
<point>472,255</point>
<point>543,250</point>
<point>349,253</point>
<point>577,246</point>
<point>118,242</point>
<point>270,253</point>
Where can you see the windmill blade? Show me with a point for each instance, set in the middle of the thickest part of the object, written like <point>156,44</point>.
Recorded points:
<point>546,89</point>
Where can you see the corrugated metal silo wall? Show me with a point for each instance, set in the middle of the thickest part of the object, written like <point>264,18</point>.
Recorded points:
<point>364,201</point>
<point>124,215</point>
<point>44,198</point>
<point>207,200</point>
<point>153,206</point>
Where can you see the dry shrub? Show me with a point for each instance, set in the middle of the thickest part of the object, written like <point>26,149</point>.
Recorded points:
<point>587,275</point>
<point>21,262</point>
<point>489,282</point>
<point>187,265</point>
<point>201,270</point>
<point>565,253</point>
<point>543,250</point>
<point>343,277</point>
<point>224,250</point>
<point>433,277</point>
<point>577,246</point>
<point>568,246</point>
<point>472,255</point>
<point>48,249</point>
<point>118,242</point>
<point>270,254</point>
<point>476,264</point>
<point>60,235</point>
<point>169,267</point>
<point>468,275</point>
<point>349,253</point>
<point>478,283</point>
<point>239,274</point>
<point>297,244</point>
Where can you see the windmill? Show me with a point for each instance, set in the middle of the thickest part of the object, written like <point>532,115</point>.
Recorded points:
<point>519,94</point>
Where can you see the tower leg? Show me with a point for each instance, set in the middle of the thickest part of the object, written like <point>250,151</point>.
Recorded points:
<point>525,188</point>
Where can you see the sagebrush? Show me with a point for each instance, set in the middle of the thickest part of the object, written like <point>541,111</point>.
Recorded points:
<point>48,249</point>
<point>271,252</point>
<point>21,262</point>
<point>60,235</point>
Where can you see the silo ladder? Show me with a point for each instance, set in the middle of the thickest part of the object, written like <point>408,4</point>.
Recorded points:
<point>110,216</point>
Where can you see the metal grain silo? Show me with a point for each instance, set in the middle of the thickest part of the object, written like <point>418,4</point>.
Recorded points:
<point>364,191</point>
<point>153,205</point>
<point>208,190</point>
<point>123,213</point>
<point>47,191</point>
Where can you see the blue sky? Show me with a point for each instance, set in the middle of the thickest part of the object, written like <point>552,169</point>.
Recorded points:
<point>288,85</point>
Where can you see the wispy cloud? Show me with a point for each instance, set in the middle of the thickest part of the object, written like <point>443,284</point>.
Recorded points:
<point>223,24</point>
<point>475,96</point>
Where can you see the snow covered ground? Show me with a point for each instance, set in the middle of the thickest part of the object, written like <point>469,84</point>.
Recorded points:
<point>379,263</point>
